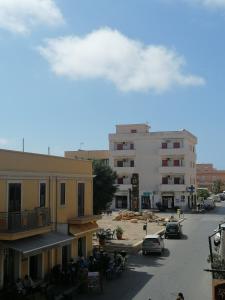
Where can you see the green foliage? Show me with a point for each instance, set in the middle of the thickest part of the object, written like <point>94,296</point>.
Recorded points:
<point>217,186</point>
<point>104,186</point>
<point>119,230</point>
<point>202,193</point>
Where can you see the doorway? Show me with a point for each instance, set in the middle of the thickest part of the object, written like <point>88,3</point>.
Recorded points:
<point>14,206</point>
<point>145,202</point>
<point>35,266</point>
<point>168,202</point>
<point>66,256</point>
<point>82,247</point>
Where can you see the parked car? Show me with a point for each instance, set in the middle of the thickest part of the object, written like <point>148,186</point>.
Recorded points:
<point>153,243</point>
<point>222,196</point>
<point>208,203</point>
<point>216,198</point>
<point>173,229</point>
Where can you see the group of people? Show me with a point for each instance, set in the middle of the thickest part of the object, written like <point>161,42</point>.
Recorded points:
<point>25,286</point>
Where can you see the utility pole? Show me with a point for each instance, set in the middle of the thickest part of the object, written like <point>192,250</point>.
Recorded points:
<point>48,150</point>
<point>23,144</point>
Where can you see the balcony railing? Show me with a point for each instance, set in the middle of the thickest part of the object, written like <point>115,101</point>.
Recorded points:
<point>25,220</point>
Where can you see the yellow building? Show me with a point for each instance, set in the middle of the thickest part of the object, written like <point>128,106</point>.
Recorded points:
<point>46,214</point>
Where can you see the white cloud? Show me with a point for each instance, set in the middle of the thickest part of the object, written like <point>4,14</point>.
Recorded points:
<point>19,16</point>
<point>212,3</point>
<point>3,142</point>
<point>108,54</point>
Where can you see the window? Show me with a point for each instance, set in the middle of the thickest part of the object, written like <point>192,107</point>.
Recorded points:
<point>131,146</point>
<point>176,145</point>
<point>119,146</point>
<point>176,163</point>
<point>81,191</point>
<point>120,180</point>
<point>119,163</point>
<point>164,162</point>
<point>164,145</point>
<point>132,163</point>
<point>133,131</point>
<point>62,193</point>
<point>42,199</point>
<point>177,180</point>
<point>165,180</point>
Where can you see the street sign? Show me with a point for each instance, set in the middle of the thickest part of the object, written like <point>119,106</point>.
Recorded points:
<point>147,194</point>
<point>191,189</point>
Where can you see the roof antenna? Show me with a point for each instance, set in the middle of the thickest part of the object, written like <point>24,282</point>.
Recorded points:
<point>81,145</point>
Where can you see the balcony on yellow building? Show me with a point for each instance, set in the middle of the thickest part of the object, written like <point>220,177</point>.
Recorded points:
<point>17,225</point>
<point>79,220</point>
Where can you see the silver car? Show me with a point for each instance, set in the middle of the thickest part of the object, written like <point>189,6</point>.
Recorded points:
<point>153,243</point>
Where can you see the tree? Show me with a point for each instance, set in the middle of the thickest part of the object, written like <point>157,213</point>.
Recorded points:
<point>104,186</point>
<point>217,186</point>
<point>202,193</point>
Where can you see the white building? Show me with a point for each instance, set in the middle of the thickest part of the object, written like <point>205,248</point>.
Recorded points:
<point>153,167</point>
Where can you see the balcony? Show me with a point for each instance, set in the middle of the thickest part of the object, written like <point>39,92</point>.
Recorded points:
<point>17,225</point>
<point>84,219</point>
<point>172,188</point>
<point>123,153</point>
<point>172,151</point>
<point>124,170</point>
<point>172,170</point>
<point>124,187</point>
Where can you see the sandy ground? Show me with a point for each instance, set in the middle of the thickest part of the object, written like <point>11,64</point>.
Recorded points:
<point>133,232</point>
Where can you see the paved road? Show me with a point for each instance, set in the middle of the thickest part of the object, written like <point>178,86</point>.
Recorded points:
<point>180,268</point>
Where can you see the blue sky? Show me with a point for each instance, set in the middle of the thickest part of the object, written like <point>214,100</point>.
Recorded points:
<point>72,69</point>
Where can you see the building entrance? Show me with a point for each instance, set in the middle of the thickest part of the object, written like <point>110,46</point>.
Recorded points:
<point>168,202</point>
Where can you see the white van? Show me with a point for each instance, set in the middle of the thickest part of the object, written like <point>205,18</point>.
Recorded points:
<point>153,243</point>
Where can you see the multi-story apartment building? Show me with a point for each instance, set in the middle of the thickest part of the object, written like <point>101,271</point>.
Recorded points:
<point>45,213</point>
<point>153,167</point>
<point>207,174</point>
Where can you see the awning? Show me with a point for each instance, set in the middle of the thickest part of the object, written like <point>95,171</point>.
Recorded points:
<point>82,229</point>
<point>35,244</point>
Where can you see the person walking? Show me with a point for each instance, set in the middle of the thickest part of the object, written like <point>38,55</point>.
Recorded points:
<point>180,296</point>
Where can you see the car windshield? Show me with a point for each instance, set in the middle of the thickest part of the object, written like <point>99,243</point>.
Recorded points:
<point>152,240</point>
<point>172,226</point>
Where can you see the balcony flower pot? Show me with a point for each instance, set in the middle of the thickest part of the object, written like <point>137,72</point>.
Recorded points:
<point>119,232</point>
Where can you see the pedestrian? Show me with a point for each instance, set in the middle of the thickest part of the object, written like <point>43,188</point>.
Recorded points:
<point>180,296</point>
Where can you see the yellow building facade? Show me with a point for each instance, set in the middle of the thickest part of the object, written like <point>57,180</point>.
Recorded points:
<point>46,213</point>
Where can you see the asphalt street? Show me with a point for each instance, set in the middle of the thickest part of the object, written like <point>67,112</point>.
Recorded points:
<point>180,268</point>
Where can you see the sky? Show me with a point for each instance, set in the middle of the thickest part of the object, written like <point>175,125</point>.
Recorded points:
<point>70,70</point>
